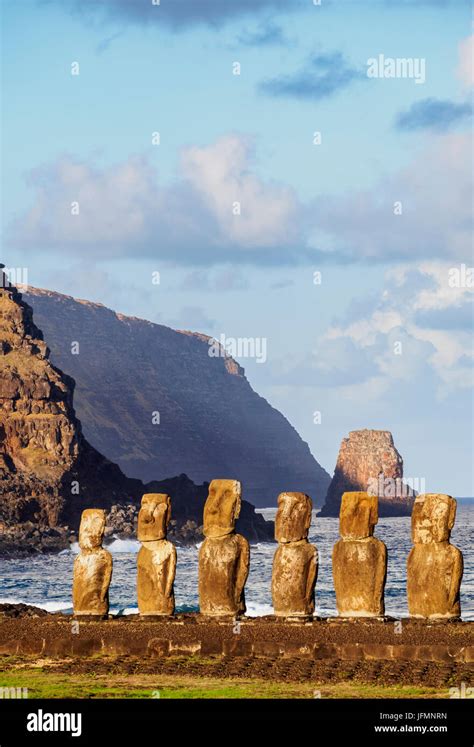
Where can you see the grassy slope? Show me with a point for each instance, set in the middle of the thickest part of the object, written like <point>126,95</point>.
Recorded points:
<point>44,681</point>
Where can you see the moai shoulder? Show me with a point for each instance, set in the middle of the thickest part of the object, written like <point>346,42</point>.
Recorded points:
<point>92,567</point>
<point>359,559</point>
<point>295,563</point>
<point>434,566</point>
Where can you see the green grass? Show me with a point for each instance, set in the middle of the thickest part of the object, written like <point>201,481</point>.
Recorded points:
<point>42,683</point>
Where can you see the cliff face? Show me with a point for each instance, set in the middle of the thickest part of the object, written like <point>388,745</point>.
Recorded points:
<point>368,461</point>
<point>48,471</point>
<point>211,422</point>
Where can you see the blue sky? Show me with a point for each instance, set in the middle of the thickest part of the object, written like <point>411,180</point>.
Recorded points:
<point>305,207</point>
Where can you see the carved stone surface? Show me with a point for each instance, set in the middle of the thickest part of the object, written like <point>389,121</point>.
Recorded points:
<point>156,560</point>
<point>434,566</point>
<point>295,564</point>
<point>92,567</point>
<point>359,560</point>
<point>358,516</point>
<point>224,556</point>
<point>154,517</point>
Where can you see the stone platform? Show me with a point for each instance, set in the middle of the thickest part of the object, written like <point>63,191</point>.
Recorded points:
<point>57,635</point>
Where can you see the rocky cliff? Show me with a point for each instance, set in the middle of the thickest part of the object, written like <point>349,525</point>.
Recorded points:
<point>368,461</point>
<point>131,373</point>
<point>48,471</point>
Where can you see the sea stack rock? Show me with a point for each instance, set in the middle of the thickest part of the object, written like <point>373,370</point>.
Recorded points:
<point>156,561</point>
<point>359,560</point>
<point>434,566</point>
<point>368,461</point>
<point>92,567</point>
<point>295,565</point>
<point>224,555</point>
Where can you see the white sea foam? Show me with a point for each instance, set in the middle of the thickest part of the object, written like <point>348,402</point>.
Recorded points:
<point>116,546</point>
<point>123,545</point>
<point>124,611</point>
<point>254,609</point>
<point>48,606</point>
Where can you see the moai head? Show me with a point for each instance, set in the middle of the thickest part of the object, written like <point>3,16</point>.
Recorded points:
<point>222,507</point>
<point>91,531</point>
<point>293,517</point>
<point>358,515</point>
<point>154,517</point>
<point>432,518</point>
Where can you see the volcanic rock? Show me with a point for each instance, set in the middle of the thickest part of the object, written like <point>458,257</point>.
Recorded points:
<point>295,563</point>
<point>369,462</point>
<point>49,473</point>
<point>211,421</point>
<point>434,566</point>
<point>224,556</point>
<point>92,567</point>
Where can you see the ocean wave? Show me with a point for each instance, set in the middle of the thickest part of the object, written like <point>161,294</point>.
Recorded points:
<point>48,606</point>
<point>123,546</point>
<point>257,609</point>
<point>117,545</point>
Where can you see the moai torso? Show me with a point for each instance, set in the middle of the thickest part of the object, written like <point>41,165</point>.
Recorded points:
<point>359,560</point>
<point>223,570</point>
<point>224,556</point>
<point>156,565</point>
<point>156,560</point>
<point>92,567</point>
<point>359,568</point>
<point>434,566</point>
<point>295,562</point>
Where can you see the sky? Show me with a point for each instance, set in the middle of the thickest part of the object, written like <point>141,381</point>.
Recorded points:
<point>286,171</point>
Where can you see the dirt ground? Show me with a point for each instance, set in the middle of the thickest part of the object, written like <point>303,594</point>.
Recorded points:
<point>195,677</point>
<point>117,661</point>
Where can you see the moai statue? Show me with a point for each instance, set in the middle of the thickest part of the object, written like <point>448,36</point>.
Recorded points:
<point>434,566</point>
<point>224,556</point>
<point>295,565</point>
<point>359,560</point>
<point>156,560</point>
<point>92,567</point>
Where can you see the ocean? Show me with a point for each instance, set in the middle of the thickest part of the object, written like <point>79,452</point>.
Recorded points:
<point>46,580</point>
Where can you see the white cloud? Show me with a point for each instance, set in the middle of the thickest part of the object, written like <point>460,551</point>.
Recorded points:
<point>365,331</point>
<point>465,69</point>
<point>435,192</point>
<point>220,174</point>
<point>125,211</point>
<point>389,343</point>
<point>219,209</point>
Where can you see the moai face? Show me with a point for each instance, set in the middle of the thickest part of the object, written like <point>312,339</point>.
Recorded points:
<point>293,517</point>
<point>358,515</point>
<point>432,518</point>
<point>91,531</point>
<point>154,517</point>
<point>222,507</point>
